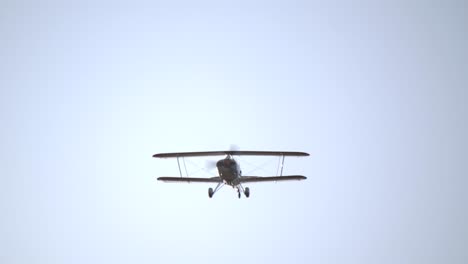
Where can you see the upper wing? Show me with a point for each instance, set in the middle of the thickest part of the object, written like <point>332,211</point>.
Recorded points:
<point>272,178</point>
<point>230,152</point>
<point>189,179</point>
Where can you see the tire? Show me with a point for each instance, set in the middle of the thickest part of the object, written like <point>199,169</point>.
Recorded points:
<point>247,192</point>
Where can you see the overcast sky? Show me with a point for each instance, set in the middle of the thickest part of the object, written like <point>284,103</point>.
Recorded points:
<point>376,93</point>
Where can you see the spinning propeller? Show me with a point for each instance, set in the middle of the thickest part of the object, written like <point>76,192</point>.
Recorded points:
<point>211,164</point>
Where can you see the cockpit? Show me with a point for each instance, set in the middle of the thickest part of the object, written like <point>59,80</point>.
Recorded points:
<point>226,163</point>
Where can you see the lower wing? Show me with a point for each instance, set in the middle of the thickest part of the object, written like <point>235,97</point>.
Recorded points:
<point>271,179</point>
<point>189,179</point>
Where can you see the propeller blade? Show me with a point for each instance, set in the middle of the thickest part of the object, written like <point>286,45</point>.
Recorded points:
<point>210,164</point>
<point>234,147</point>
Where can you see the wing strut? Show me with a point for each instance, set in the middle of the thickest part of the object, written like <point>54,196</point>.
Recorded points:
<point>282,166</point>
<point>178,163</point>
<point>185,167</point>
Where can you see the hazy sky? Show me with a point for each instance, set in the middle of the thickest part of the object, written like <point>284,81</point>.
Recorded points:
<point>377,93</point>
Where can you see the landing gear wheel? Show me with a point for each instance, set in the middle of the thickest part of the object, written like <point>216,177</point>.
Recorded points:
<point>210,192</point>
<point>239,194</point>
<point>247,192</point>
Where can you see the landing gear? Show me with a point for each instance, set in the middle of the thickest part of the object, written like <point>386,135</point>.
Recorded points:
<point>247,192</point>
<point>241,189</point>
<point>211,192</point>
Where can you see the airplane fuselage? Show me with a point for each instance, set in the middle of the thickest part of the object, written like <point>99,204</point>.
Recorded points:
<point>229,170</point>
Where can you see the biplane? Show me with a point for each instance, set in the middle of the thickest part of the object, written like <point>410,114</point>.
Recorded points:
<point>229,171</point>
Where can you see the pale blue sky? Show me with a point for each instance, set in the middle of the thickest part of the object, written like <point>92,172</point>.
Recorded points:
<point>375,92</point>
